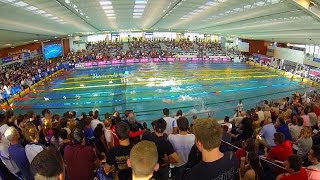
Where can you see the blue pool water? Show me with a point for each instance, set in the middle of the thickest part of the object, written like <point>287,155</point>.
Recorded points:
<point>191,87</point>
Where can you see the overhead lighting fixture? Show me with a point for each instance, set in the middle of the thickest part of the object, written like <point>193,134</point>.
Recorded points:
<point>31,8</point>
<point>105,2</point>
<point>54,17</point>
<point>141,1</point>
<point>82,14</point>
<point>47,15</point>
<point>36,40</point>
<point>40,12</point>
<point>110,15</point>
<point>107,7</point>
<point>139,6</point>
<point>67,1</point>
<point>21,4</point>
<point>136,17</point>
<point>69,35</point>
<point>137,14</point>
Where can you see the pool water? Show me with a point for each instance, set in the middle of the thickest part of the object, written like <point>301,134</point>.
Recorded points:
<point>148,88</point>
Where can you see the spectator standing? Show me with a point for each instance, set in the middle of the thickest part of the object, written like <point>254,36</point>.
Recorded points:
<point>214,164</point>
<point>182,144</point>
<point>171,123</point>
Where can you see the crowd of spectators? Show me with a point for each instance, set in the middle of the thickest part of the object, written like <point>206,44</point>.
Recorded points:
<point>277,140</point>
<point>18,76</point>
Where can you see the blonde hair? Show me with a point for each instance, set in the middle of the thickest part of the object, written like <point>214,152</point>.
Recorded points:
<point>306,132</point>
<point>143,158</point>
<point>30,132</point>
<point>208,132</point>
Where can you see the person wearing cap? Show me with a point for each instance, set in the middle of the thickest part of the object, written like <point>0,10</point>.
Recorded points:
<point>80,160</point>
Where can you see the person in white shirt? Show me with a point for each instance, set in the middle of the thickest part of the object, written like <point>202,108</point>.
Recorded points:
<point>95,121</point>
<point>295,129</point>
<point>226,123</point>
<point>108,132</point>
<point>240,106</point>
<point>260,114</point>
<point>171,123</point>
<point>182,144</point>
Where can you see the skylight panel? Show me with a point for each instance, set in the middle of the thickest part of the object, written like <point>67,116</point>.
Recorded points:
<point>139,6</point>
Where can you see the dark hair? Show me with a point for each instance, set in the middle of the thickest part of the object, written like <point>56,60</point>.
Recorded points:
<point>179,113</point>
<point>249,145</point>
<point>96,114</point>
<point>2,118</point>
<point>87,121</point>
<point>107,116</point>
<point>30,114</point>
<point>226,118</point>
<point>254,161</point>
<point>127,112</point>
<point>183,124</point>
<point>295,162</point>
<point>63,122</point>
<point>98,131</point>
<point>45,111</point>
<point>90,113</point>
<point>279,137</point>
<point>281,120</point>
<point>9,114</point>
<point>122,130</point>
<point>166,111</point>
<point>74,113</point>
<point>145,125</point>
<point>47,163</point>
<point>259,108</point>
<point>56,128</point>
<point>306,111</point>
<point>316,151</point>
<point>160,125</point>
<point>63,134</point>
<point>300,121</point>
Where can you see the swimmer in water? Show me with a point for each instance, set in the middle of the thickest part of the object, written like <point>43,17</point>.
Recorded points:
<point>168,101</point>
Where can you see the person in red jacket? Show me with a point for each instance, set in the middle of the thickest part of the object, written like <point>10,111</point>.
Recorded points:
<point>281,151</point>
<point>294,169</point>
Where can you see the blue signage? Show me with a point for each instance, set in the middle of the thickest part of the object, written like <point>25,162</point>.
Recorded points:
<point>316,59</point>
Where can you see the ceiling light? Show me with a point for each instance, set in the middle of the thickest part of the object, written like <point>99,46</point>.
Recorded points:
<point>105,2</point>
<point>137,14</point>
<point>107,7</point>
<point>21,4</point>
<point>81,14</point>
<point>74,6</point>
<point>67,1</point>
<point>11,0</point>
<point>35,40</point>
<point>55,37</point>
<point>139,6</point>
<point>110,15</point>
<point>136,17</point>
<point>47,15</point>
<point>54,17</point>
<point>31,8</point>
<point>40,12</point>
<point>87,17</point>
<point>69,35</point>
<point>141,2</point>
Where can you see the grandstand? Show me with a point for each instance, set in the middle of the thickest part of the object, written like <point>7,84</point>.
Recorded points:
<point>160,89</point>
